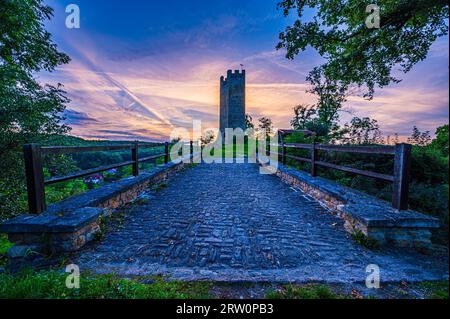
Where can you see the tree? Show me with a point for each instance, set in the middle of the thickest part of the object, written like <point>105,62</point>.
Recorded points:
<point>359,55</point>
<point>265,126</point>
<point>249,122</point>
<point>322,117</point>
<point>441,142</point>
<point>207,137</point>
<point>419,138</point>
<point>331,97</point>
<point>29,111</point>
<point>303,116</point>
<point>361,131</point>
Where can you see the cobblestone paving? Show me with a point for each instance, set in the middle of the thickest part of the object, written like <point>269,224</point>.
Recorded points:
<point>228,222</point>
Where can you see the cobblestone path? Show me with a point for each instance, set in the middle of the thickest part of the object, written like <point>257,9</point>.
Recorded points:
<point>228,222</point>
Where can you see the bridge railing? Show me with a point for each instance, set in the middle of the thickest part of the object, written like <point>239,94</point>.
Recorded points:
<point>35,153</point>
<point>399,179</point>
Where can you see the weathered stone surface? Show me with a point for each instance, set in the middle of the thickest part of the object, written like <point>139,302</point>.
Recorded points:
<point>18,251</point>
<point>227,222</point>
<point>69,225</point>
<point>51,222</point>
<point>373,217</point>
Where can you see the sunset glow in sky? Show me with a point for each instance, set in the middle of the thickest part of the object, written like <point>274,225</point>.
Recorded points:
<point>140,69</point>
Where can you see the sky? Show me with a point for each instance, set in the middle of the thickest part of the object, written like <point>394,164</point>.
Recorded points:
<point>142,68</point>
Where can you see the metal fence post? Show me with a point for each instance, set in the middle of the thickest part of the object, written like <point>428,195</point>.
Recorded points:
<point>135,158</point>
<point>402,167</point>
<point>166,152</point>
<point>313,159</point>
<point>35,178</point>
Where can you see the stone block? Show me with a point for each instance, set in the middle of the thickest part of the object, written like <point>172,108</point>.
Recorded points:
<point>72,223</point>
<point>373,217</point>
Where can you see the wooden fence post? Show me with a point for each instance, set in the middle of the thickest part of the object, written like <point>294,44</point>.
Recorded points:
<point>402,166</point>
<point>35,178</point>
<point>313,158</point>
<point>135,158</point>
<point>283,152</point>
<point>191,145</point>
<point>166,152</point>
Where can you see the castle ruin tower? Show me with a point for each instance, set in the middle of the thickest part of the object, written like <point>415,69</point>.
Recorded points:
<point>232,101</point>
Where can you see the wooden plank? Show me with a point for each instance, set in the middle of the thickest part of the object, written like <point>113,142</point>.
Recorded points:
<point>135,158</point>
<point>313,159</point>
<point>149,158</point>
<point>302,159</point>
<point>153,145</point>
<point>298,145</point>
<point>402,167</point>
<point>166,152</point>
<point>390,150</point>
<point>306,133</point>
<point>83,149</point>
<point>86,172</point>
<point>35,178</point>
<point>357,171</point>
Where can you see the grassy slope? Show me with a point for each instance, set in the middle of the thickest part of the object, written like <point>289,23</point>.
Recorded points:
<point>51,285</point>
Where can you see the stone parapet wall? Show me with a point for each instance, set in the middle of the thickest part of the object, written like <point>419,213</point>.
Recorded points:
<point>72,223</point>
<point>363,213</point>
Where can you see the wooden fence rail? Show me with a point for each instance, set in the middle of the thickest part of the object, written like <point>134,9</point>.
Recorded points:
<point>34,154</point>
<point>402,164</point>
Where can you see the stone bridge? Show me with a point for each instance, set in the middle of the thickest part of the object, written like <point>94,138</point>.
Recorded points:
<point>228,222</point>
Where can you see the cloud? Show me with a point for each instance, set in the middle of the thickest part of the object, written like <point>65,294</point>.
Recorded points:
<point>78,118</point>
<point>126,89</point>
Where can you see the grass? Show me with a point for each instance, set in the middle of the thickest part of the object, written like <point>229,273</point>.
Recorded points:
<point>309,291</point>
<point>436,289</point>
<point>50,284</point>
<point>5,244</point>
<point>365,241</point>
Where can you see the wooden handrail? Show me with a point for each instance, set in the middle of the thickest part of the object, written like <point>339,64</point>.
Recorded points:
<point>56,150</point>
<point>33,155</point>
<point>86,172</point>
<point>402,162</point>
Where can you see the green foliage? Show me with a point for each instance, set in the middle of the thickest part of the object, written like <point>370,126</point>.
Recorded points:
<point>57,192</point>
<point>358,55</point>
<point>5,244</point>
<point>436,289</point>
<point>265,125</point>
<point>51,285</point>
<point>365,241</point>
<point>310,291</point>
<point>29,111</point>
<point>361,131</point>
<point>419,138</point>
<point>249,122</point>
<point>440,143</point>
<point>429,190</point>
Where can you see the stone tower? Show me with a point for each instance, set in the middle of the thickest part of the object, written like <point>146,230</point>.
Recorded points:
<point>232,101</point>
